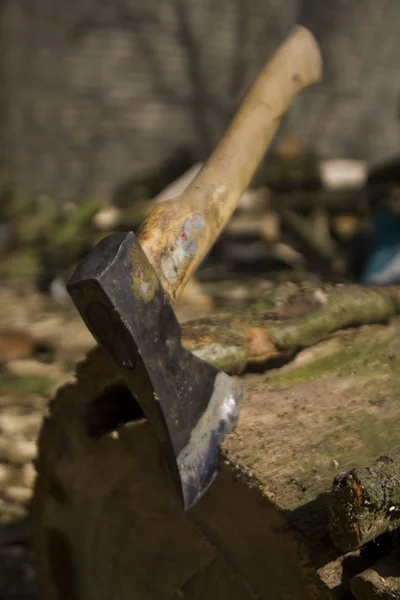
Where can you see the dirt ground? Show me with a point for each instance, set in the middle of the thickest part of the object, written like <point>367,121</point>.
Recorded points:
<point>30,371</point>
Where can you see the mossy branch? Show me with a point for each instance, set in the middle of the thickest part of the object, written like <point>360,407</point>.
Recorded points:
<point>232,341</point>
<point>365,503</point>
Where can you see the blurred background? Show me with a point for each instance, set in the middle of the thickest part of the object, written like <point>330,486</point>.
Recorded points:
<point>108,106</point>
<point>103,104</point>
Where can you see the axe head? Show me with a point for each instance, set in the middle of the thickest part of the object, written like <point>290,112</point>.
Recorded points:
<point>191,405</point>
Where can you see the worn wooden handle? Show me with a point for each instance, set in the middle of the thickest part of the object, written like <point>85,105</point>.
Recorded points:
<point>177,234</point>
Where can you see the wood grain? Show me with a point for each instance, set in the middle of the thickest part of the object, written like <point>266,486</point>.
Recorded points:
<point>177,234</point>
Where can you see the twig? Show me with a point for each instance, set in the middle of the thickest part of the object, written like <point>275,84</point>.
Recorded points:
<point>304,228</point>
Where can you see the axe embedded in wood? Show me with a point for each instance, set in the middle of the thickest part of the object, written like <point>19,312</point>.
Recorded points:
<point>125,287</point>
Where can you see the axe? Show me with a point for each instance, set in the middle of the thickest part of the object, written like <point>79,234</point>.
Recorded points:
<point>125,287</point>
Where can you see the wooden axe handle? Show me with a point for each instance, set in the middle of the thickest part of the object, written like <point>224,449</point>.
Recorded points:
<point>178,233</point>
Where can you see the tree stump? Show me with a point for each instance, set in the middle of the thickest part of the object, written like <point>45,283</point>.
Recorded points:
<point>107,521</point>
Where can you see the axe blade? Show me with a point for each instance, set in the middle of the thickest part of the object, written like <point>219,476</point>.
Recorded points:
<point>191,405</point>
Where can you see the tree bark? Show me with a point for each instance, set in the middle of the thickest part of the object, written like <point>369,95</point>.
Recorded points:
<point>364,503</point>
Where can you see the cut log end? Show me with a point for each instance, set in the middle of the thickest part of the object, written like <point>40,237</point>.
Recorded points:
<point>365,503</point>
<point>105,505</point>
<point>106,517</point>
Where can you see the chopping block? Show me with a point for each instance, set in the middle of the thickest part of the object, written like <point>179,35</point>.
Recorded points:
<point>108,524</point>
